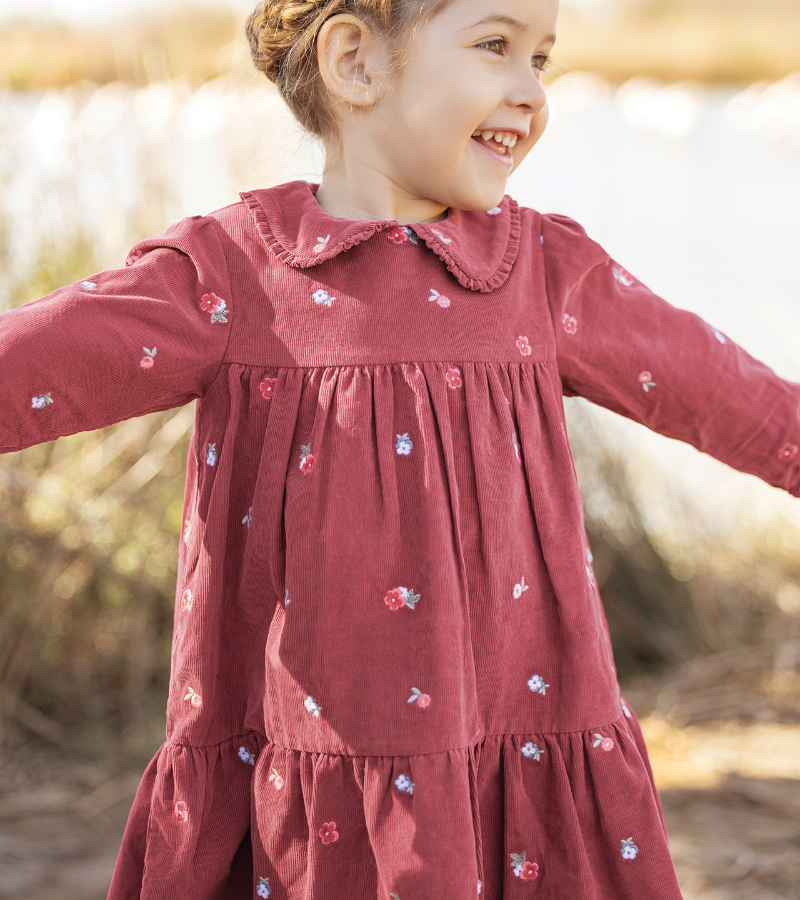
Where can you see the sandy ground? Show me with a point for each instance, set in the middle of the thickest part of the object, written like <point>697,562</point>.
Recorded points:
<point>724,737</point>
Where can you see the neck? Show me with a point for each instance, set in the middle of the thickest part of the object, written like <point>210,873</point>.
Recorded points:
<point>352,189</point>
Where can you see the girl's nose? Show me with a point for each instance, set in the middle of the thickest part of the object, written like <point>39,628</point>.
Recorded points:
<point>526,92</point>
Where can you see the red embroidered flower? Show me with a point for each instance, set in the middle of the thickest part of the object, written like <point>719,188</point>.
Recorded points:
<point>397,235</point>
<point>607,744</point>
<point>307,460</point>
<point>529,871</point>
<point>181,811</point>
<point>133,257</point>
<point>423,701</point>
<point>210,303</point>
<point>186,601</point>
<point>267,387</point>
<point>394,599</point>
<point>644,377</point>
<point>453,377</point>
<point>570,323</point>
<point>147,362</point>
<point>789,452</point>
<point>328,833</point>
<point>523,346</point>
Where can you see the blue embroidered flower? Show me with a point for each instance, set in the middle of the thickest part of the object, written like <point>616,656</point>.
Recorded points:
<point>41,401</point>
<point>263,889</point>
<point>537,685</point>
<point>322,298</point>
<point>246,756</point>
<point>404,445</point>
<point>88,285</point>
<point>405,784</point>
<point>531,751</point>
<point>625,708</point>
<point>720,336</point>
<point>629,849</point>
<point>211,455</point>
<point>312,706</point>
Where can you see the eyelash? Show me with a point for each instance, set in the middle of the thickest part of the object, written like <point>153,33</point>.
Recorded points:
<point>545,60</point>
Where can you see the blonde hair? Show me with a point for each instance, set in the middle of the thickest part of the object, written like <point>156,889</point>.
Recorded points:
<point>283,43</point>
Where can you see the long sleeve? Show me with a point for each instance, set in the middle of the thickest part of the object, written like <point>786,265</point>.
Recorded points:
<point>147,337</point>
<point>624,348</point>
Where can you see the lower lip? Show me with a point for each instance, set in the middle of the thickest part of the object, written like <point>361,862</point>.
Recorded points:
<point>506,158</point>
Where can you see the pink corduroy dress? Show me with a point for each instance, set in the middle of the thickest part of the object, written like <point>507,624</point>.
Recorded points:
<point>391,672</point>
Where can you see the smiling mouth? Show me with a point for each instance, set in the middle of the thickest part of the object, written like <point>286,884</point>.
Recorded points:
<point>497,149</point>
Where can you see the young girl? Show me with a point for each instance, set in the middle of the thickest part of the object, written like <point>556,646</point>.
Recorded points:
<point>391,673</point>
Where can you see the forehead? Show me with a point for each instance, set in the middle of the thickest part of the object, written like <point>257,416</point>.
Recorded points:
<point>534,18</point>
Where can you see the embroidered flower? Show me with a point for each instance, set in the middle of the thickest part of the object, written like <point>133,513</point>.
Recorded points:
<point>276,779</point>
<point>604,743</point>
<point>88,285</point>
<point>442,238</point>
<point>248,519</point>
<point>181,811</point>
<point>519,588</point>
<point>307,459</point>
<point>394,896</point>
<point>211,455</point>
<point>405,784</point>
<point>625,708</point>
<point>646,380</point>
<point>321,243</point>
<point>187,600</point>
<point>480,885</point>
<point>404,445</point>
<point>410,234</point>
<point>589,568</point>
<point>531,751</point>
<point>328,833</point>
<point>149,359</point>
<point>622,276</point>
<point>443,301</point>
<point>423,701</point>
<point>720,336</point>
<point>788,452</point>
<point>494,211</point>
<point>399,597</point>
<point>312,706</point>
<point>216,306</point>
<point>570,323</point>
<point>246,756</point>
<point>523,346</point>
<point>453,377</point>
<point>517,448</point>
<point>527,871</point>
<point>263,889</point>
<point>537,685</point>
<point>267,387</point>
<point>629,849</point>
<point>193,697</point>
<point>41,401</point>
<point>133,257</point>
<point>322,298</point>
<point>286,600</point>
<point>187,530</point>
<point>398,235</point>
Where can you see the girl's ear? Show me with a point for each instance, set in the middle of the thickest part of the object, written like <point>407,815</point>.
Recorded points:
<point>353,60</point>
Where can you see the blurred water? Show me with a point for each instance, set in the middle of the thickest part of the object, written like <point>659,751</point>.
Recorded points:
<point>695,191</point>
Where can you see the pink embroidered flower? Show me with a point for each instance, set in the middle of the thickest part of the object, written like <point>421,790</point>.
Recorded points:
<point>307,459</point>
<point>187,600</point>
<point>276,779</point>
<point>529,871</point>
<point>789,451</point>
<point>181,811</point>
<point>570,323</point>
<point>328,833</point>
<point>133,257</point>
<point>394,599</point>
<point>523,346</point>
<point>321,244</point>
<point>210,303</point>
<point>193,697</point>
<point>442,238</point>
<point>604,743</point>
<point>423,701</point>
<point>646,380</point>
<point>443,301</point>
<point>453,377</point>
<point>622,276</point>
<point>149,359</point>
<point>398,235</point>
<point>187,530</point>
<point>267,387</point>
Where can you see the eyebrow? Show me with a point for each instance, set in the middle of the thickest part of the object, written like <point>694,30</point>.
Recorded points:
<point>504,19</point>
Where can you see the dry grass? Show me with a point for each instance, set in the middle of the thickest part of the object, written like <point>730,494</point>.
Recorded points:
<point>710,42</point>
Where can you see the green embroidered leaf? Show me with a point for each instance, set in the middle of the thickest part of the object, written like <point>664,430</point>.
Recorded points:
<point>517,859</point>
<point>411,599</point>
<point>394,896</point>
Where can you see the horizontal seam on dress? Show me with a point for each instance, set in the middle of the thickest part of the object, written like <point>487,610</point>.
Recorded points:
<point>549,733</point>
<point>409,362</point>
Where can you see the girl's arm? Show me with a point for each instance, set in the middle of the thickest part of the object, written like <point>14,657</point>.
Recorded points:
<point>148,337</point>
<point>622,347</point>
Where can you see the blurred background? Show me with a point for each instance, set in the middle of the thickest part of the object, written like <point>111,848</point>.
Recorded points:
<point>674,139</point>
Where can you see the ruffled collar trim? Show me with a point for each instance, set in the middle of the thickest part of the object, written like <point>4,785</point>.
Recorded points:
<point>478,248</point>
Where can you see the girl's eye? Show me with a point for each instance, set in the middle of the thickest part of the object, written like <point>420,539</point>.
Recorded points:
<point>541,62</point>
<point>495,42</point>
<point>497,45</point>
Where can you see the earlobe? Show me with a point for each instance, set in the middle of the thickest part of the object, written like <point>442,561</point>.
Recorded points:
<point>347,52</point>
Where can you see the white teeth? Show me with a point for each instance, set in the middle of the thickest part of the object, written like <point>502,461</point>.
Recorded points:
<point>512,142</point>
<point>487,135</point>
<point>507,140</point>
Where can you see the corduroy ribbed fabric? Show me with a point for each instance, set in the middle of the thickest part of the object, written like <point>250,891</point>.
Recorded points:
<point>391,672</point>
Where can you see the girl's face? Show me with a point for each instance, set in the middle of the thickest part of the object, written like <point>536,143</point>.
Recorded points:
<point>476,71</point>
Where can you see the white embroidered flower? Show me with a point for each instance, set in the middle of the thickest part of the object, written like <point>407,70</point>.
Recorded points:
<point>312,706</point>
<point>537,685</point>
<point>531,751</point>
<point>404,445</point>
<point>246,756</point>
<point>322,298</point>
<point>41,401</point>
<point>629,849</point>
<point>720,336</point>
<point>625,708</point>
<point>211,455</point>
<point>405,784</point>
<point>494,211</point>
<point>88,285</point>
<point>519,588</point>
<point>263,889</point>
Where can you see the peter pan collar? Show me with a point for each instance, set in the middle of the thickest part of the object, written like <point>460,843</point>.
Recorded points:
<point>479,248</point>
